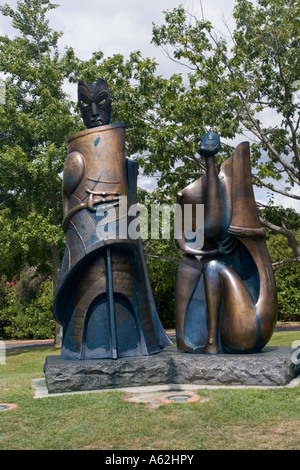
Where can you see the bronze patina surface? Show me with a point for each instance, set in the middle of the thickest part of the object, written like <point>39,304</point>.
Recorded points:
<point>104,299</point>
<point>226,299</point>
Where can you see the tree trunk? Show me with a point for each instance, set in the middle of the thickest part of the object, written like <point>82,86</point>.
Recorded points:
<point>291,239</point>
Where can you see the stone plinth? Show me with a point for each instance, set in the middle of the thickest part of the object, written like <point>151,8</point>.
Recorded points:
<point>271,367</point>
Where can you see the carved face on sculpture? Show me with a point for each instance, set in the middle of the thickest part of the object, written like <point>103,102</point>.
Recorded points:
<point>94,102</point>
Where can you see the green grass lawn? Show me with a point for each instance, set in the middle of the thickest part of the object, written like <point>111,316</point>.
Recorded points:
<point>222,419</point>
<point>284,338</point>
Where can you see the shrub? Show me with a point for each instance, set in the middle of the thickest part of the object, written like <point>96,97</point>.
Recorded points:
<point>288,291</point>
<point>287,277</point>
<point>26,288</point>
<point>163,258</point>
<point>25,316</point>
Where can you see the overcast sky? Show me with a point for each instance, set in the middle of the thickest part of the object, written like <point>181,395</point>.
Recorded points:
<point>118,26</point>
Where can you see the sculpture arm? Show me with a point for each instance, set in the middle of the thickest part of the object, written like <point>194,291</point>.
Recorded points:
<point>225,247</point>
<point>211,197</point>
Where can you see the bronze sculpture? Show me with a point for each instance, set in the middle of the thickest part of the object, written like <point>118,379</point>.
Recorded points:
<point>226,299</point>
<point>104,300</point>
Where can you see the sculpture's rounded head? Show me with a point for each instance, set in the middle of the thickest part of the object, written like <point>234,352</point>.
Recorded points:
<point>94,102</point>
<point>210,144</point>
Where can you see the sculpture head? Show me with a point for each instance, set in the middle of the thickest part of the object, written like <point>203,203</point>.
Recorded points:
<point>209,145</point>
<point>94,102</point>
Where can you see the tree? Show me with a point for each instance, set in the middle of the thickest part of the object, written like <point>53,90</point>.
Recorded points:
<point>38,116</point>
<point>35,121</point>
<point>286,266</point>
<point>233,85</point>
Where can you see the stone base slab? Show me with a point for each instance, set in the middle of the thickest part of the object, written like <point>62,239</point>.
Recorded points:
<point>273,366</point>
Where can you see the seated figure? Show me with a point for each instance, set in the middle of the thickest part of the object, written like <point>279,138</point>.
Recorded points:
<point>226,299</point>
<point>104,300</point>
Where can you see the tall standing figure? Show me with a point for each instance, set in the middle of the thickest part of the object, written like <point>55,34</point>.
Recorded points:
<point>104,300</point>
<point>226,299</point>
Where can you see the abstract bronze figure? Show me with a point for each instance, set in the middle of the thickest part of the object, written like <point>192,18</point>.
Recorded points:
<point>226,299</point>
<point>104,300</point>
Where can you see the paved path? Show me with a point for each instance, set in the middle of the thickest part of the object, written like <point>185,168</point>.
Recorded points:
<point>19,344</point>
<point>28,344</point>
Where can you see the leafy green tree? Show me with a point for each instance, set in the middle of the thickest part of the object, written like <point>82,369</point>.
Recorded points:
<point>235,85</point>
<point>38,116</point>
<point>162,253</point>
<point>34,123</point>
<point>286,270</point>
<point>26,307</point>
<point>285,264</point>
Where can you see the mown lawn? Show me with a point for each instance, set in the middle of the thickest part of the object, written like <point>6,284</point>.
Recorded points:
<point>223,419</point>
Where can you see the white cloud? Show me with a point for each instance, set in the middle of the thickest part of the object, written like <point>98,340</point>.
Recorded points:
<point>113,27</point>
<point>123,27</point>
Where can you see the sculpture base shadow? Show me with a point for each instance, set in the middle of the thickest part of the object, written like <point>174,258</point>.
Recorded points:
<point>273,366</point>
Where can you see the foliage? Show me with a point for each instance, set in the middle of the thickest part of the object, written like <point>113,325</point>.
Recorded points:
<point>26,307</point>
<point>287,277</point>
<point>280,215</point>
<point>235,85</point>
<point>162,260</point>
<point>27,241</point>
<point>35,121</point>
<point>241,81</point>
<point>162,253</point>
<point>38,117</point>
<point>27,286</point>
